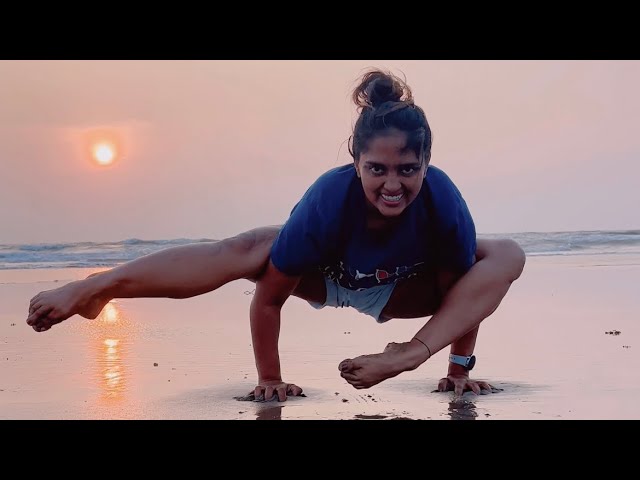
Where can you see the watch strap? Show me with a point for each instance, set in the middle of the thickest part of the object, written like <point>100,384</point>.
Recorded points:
<point>460,359</point>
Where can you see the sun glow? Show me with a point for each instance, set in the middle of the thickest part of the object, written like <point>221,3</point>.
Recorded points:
<point>104,153</point>
<point>102,147</point>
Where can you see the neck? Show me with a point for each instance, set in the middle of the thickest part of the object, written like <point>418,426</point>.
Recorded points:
<point>378,222</point>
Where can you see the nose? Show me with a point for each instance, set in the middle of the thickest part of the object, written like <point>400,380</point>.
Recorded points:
<point>392,184</point>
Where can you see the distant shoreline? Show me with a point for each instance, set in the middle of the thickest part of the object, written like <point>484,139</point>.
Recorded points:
<point>110,254</point>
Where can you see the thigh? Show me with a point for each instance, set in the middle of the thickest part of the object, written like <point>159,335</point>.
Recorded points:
<point>415,297</point>
<point>420,296</point>
<point>312,288</point>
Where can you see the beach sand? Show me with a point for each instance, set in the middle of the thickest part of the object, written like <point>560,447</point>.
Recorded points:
<point>546,347</point>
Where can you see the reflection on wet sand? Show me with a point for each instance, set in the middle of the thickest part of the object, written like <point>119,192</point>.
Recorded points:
<point>457,409</point>
<point>112,371</point>
<point>269,413</point>
<point>462,409</point>
<point>110,347</point>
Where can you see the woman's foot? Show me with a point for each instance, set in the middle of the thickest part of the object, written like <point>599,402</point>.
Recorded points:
<point>51,307</point>
<point>368,370</point>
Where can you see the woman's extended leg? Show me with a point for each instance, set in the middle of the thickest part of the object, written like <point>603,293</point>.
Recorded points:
<point>178,272</point>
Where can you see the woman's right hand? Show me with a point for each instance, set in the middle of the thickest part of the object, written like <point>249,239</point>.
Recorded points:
<point>265,390</point>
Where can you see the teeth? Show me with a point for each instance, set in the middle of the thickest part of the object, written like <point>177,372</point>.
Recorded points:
<point>392,199</point>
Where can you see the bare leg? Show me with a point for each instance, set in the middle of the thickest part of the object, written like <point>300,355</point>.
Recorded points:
<point>469,301</point>
<point>178,272</point>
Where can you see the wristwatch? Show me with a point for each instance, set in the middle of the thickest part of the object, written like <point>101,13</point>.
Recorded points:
<point>467,362</point>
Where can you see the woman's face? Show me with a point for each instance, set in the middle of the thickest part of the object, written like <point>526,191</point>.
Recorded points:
<point>391,176</point>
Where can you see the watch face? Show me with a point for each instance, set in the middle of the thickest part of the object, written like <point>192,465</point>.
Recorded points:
<point>472,362</point>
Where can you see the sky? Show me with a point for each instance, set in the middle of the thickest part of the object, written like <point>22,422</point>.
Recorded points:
<point>208,149</point>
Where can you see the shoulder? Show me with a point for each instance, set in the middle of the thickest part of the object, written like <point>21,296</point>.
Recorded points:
<point>331,188</point>
<point>444,196</point>
<point>440,184</point>
<point>313,228</point>
<point>436,176</point>
<point>336,178</point>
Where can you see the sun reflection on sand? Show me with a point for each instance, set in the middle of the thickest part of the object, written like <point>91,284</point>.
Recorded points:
<point>110,313</point>
<point>110,348</point>
<point>112,370</point>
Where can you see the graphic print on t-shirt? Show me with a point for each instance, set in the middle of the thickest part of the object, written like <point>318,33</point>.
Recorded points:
<point>357,280</point>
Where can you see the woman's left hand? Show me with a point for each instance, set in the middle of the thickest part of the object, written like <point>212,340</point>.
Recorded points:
<point>462,383</point>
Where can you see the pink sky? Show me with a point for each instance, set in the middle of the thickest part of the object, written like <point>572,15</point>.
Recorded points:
<point>212,148</point>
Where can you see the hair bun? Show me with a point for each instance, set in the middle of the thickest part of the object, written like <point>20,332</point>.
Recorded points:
<point>378,87</point>
<point>383,90</point>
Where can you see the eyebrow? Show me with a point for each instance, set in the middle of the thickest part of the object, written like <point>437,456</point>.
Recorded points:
<point>402,165</point>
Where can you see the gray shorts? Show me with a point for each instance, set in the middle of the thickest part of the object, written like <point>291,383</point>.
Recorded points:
<point>370,301</point>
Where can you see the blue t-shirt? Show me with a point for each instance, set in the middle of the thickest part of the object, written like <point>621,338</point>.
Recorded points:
<point>327,230</point>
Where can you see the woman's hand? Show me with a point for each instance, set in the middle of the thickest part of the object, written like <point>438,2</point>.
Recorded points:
<point>267,390</point>
<point>461,383</point>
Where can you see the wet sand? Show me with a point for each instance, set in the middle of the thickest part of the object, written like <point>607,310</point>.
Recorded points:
<point>546,347</point>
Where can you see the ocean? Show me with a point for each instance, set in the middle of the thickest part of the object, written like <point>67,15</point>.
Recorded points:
<point>109,254</point>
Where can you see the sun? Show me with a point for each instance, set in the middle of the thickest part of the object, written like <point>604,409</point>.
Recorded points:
<point>104,153</point>
<point>102,147</point>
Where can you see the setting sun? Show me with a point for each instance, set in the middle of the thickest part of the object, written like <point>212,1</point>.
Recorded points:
<point>102,146</point>
<point>104,153</point>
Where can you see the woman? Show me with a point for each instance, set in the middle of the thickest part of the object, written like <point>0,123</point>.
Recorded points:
<point>388,235</point>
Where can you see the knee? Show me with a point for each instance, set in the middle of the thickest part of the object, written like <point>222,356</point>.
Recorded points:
<point>242,243</point>
<point>513,256</point>
<point>252,248</point>
<point>249,242</point>
<point>506,253</point>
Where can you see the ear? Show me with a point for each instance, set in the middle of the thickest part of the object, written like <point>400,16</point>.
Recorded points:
<point>355,166</point>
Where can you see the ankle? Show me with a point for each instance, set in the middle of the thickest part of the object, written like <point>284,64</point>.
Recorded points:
<point>100,286</point>
<point>416,354</point>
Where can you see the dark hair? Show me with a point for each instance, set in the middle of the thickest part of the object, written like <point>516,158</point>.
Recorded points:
<point>385,101</point>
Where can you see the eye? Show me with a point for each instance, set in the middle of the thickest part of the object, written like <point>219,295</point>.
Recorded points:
<point>376,170</point>
<point>408,170</point>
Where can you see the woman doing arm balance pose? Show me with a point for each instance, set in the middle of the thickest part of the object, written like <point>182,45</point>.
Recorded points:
<point>389,235</point>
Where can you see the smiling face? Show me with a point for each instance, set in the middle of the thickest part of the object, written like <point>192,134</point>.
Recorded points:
<point>391,175</point>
